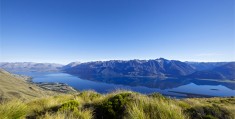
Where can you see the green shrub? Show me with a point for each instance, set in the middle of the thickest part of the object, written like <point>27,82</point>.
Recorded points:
<point>69,106</point>
<point>114,107</point>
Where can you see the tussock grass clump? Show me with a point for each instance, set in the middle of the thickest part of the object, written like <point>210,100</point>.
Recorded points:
<point>85,114</point>
<point>89,96</point>
<point>209,108</point>
<point>59,107</point>
<point>209,112</point>
<point>154,108</point>
<point>47,104</point>
<point>158,96</point>
<point>14,109</point>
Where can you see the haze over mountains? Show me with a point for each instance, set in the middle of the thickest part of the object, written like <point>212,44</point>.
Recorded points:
<point>159,68</point>
<point>30,66</point>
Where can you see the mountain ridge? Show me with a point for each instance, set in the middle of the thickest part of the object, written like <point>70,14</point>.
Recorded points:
<point>226,71</point>
<point>159,68</point>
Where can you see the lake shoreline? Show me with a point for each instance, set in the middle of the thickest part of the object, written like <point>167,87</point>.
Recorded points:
<point>51,86</point>
<point>64,82</point>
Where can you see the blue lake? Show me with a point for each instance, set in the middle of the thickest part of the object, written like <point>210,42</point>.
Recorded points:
<point>171,87</point>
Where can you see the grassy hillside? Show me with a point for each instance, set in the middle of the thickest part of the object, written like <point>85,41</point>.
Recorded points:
<point>20,100</point>
<point>118,105</point>
<point>13,86</point>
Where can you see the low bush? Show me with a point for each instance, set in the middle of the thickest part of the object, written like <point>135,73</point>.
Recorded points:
<point>114,107</point>
<point>70,106</point>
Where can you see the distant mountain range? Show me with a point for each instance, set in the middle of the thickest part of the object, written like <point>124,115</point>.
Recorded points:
<point>226,71</point>
<point>158,68</point>
<point>200,66</point>
<point>30,67</point>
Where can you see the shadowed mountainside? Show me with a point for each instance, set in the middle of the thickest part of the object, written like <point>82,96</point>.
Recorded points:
<point>199,66</point>
<point>226,71</point>
<point>160,68</point>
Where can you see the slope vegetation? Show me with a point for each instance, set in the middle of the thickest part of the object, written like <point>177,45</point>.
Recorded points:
<point>19,99</point>
<point>119,105</point>
<point>15,86</point>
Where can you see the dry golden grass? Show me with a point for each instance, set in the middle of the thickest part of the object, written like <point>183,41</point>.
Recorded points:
<point>226,104</point>
<point>119,104</point>
<point>145,107</point>
<point>64,115</point>
<point>14,109</point>
<point>12,87</point>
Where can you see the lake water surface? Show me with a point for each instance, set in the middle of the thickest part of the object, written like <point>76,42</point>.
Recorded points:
<point>171,87</point>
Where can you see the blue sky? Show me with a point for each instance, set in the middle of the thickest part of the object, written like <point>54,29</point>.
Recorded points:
<point>63,31</point>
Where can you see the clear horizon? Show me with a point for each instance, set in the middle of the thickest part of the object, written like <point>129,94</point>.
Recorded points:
<point>59,31</point>
<point>65,63</point>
